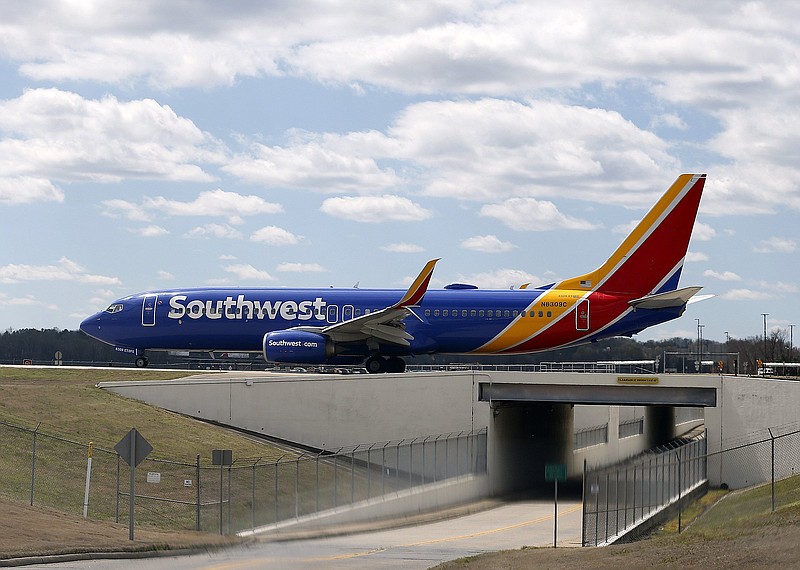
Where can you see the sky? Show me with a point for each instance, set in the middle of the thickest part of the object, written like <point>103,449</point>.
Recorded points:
<point>149,144</point>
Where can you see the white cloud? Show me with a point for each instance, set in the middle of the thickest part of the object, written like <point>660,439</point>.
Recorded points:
<point>214,230</point>
<point>322,162</point>
<point>60,135</point>
<point>703,232</point>
<point>64,270</point>
<point>246,272</point>
<point>501,279</point>
<point>214,203</point>
<point>779,286</point>
<point>301,267</point>
<point>746,295</point>
<point>723,276</point>
<point>273,235</point>
<point>669,120</point>
<point>165,275</point>
<point>375,209</point>
<point>776,245</point>
<point>27,189</point>
<point>151,231</point>
<point>492,149</point>
<point>403,247</point>
<point>528,214</point>
<point>487,244</point>
<point>696,256</point>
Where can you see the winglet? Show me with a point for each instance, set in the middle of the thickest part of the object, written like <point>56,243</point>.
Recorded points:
<point>418,288</point>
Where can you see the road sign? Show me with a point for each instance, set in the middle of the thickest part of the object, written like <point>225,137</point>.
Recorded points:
<point>133,448</point>
<point>141,448</point>
<point>555,472</point>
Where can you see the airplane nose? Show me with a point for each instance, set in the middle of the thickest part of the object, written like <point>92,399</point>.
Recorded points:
<point>91,325</point>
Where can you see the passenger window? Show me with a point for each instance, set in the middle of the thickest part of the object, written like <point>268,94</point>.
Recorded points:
<point>506,313</point>
<point>549,314</point>
<point>480,313</point>
<point>516,313</point>
<point>464,313</point>
<point>473,312</point>
<point>427,312</point>
<point>445,313</point>
<point>436,312</point>
<point>541,314</point>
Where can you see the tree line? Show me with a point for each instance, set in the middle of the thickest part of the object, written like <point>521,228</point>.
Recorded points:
<point>675,354</point>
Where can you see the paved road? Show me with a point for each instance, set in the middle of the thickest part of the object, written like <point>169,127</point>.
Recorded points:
<point>509,526</point>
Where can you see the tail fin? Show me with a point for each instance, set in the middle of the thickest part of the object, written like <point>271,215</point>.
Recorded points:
<point>650,259</point>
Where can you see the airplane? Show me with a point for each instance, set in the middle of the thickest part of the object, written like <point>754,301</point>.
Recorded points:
<point>636,288</point>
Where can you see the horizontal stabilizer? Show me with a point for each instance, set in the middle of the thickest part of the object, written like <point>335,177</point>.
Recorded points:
<point>664,300</point>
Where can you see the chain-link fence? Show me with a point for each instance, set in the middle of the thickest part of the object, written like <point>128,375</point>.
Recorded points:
<point>620,500</point>
<point>49,470</point>
<point>620,497</point>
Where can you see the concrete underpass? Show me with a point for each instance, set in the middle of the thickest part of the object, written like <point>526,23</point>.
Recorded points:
<point>530,419</point>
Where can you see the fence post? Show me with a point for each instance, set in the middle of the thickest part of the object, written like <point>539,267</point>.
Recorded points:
<point>772,477</point>
<point>583,503</point>
<point>116,518</point>
<point>678,455</point>
<point>297,488</point>
<point>277,461</point>
<point>33,461</point>
<point>197,490</point>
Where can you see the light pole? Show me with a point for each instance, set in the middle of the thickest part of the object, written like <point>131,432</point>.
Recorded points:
<point>765,340</point>
<point>699,367</point>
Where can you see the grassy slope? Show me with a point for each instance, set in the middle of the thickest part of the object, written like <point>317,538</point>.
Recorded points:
<point>66,402</point>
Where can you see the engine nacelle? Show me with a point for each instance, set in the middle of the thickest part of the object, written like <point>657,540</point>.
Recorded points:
<point>298,347</point>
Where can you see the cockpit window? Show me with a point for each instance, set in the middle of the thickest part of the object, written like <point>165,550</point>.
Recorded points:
<point>115,308</point>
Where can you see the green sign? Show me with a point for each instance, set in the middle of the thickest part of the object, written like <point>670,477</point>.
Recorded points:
<point>555,472</point>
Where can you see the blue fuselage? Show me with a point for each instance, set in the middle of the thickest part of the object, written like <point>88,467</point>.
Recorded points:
<point>449,321</point>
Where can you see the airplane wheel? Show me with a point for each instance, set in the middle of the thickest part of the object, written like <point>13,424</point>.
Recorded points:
<point>375,365</point>
<point>395,364</point>
<point>142,362</point>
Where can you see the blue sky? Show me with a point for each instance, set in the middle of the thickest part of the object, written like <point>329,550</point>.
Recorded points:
<point>169,144</point>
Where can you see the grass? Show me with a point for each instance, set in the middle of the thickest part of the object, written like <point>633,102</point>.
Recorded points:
<point>67,403</point>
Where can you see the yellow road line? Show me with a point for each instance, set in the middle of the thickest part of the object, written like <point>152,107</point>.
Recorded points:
<point>260,561</point>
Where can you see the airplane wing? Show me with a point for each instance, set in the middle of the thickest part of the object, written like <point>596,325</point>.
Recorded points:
<point>663,300</point>
<point>385,325</point>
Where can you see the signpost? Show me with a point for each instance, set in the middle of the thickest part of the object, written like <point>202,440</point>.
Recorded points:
<point>222,457</point>
<point>555,472</point>
<point>133,448</point>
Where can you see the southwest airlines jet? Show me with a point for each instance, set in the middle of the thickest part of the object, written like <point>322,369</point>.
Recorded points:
<point>637,287</point>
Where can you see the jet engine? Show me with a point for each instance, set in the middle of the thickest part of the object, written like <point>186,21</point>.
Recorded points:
<point>297,347</point>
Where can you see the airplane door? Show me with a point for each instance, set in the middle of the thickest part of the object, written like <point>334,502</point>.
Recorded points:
<point>333,313</point>
<point>347,312</point>
<point>582,315</point>
<point>149,310</point>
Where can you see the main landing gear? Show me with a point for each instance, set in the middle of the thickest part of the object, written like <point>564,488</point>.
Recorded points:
<point>142,362</point>
<point>378,364</point>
